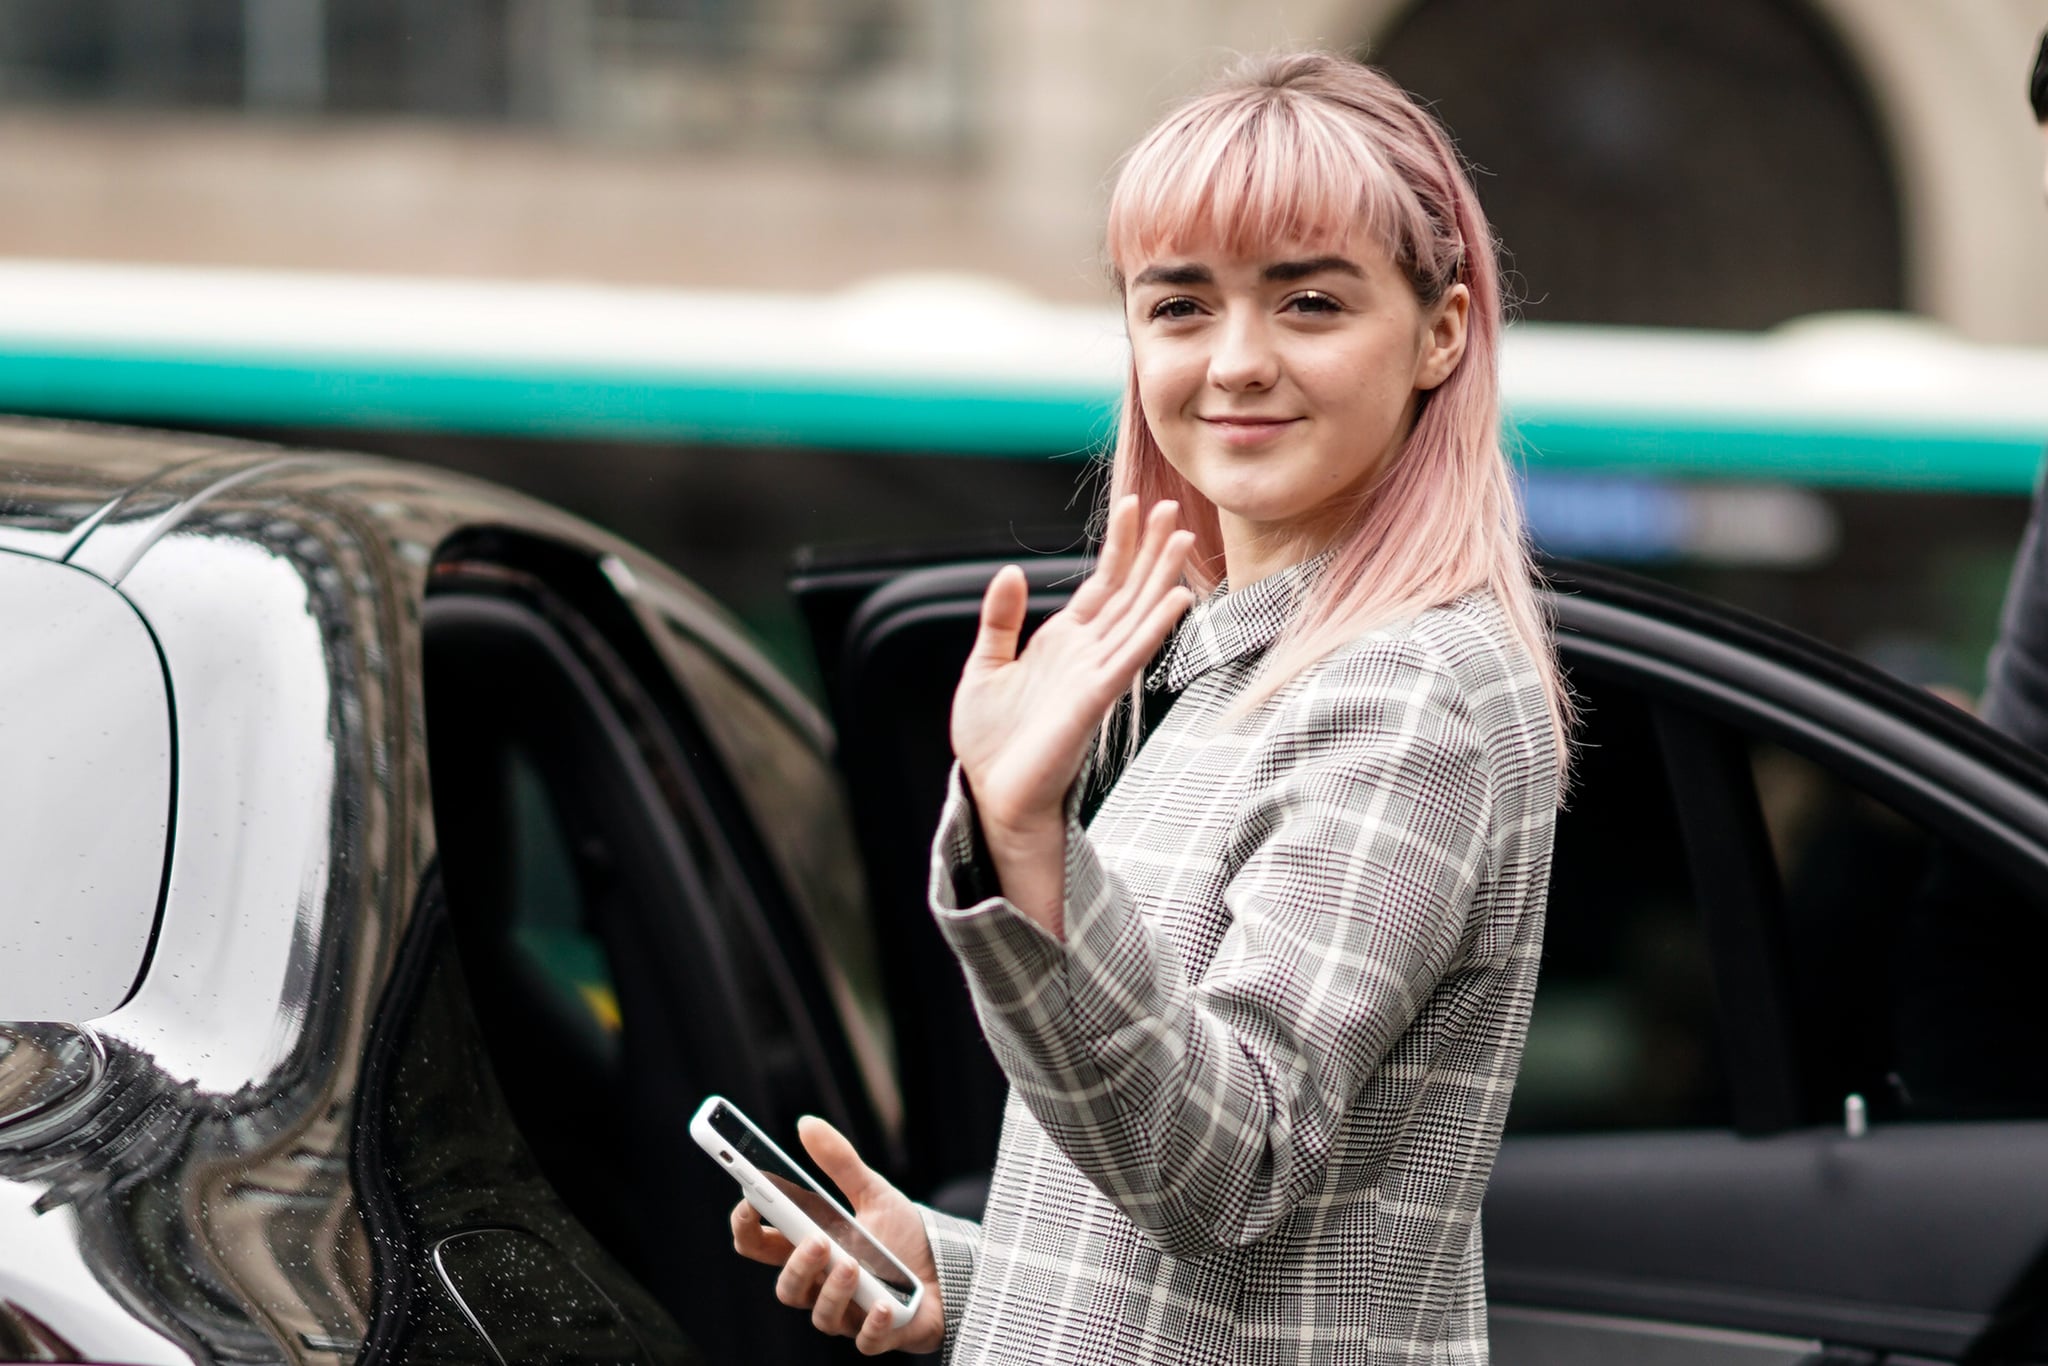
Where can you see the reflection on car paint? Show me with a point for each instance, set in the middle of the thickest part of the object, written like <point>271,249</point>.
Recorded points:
<point>85,808</point>
<point>184,1169</point>
<point>41,1067</point>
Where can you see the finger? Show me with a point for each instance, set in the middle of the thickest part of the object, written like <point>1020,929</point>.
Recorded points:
<point>1002,616</point>
<point>836,1156</point>
<point>803,1273</point>
<point>1163,577</point>
<point>1119,536</point>
<point>835,1299</point>
<point>756,1240</point>
<point>1108,619</point>
<point>881,1333</point>
<point>1164,566</point>
<point>1135,651</point>
<point>1159,529</point>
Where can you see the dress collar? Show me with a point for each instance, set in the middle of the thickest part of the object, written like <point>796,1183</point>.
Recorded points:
<point>1231,625</point>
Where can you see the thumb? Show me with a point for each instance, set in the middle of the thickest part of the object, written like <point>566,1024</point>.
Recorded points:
<point>836,1157</point>
<point>1002,616</point>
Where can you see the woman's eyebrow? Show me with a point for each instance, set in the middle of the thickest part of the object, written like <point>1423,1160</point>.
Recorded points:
<point>1175,275</point>
<point>1286,272</point>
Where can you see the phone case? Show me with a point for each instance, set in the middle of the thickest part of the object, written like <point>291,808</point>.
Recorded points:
<point>790,1221</point>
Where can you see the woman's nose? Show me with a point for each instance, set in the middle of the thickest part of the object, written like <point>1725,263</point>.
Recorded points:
<point>1244,357</point>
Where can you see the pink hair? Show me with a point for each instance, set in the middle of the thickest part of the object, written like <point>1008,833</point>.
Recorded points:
<point>1293,150</point>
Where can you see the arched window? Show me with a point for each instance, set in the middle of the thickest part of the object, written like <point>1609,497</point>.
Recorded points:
<point>1663,161</point>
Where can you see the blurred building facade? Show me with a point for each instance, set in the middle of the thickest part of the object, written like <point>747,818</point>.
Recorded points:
<point>1646,161</point>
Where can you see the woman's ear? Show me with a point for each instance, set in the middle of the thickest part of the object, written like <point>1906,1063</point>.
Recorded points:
<point>1443,344</point>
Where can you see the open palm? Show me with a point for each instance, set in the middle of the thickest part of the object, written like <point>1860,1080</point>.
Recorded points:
<point>1022,723</point>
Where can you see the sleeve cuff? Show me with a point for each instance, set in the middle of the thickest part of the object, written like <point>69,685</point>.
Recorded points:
<point>1032,983</point>
<point>955,1244</point>
<point>993,939</point>
<point>963,875</point>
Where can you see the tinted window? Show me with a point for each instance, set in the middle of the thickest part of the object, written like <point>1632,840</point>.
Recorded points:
<point>1623,1034</point>
<point>547,917</point>
<point>1914,964</point>
<point>592,893</point>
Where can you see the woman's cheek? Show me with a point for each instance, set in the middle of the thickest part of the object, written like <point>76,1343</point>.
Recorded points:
<point>1164,409</point>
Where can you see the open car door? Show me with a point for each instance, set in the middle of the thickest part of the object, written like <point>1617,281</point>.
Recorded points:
<point>1785,1095</point>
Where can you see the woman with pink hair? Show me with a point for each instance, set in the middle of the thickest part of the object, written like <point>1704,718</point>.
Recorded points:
<point>1262,1013</point>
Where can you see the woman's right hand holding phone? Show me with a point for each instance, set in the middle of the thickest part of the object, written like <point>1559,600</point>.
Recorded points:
<point>817,1277</point>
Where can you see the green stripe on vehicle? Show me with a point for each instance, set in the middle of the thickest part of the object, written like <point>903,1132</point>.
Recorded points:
<point>1804,452</point>
<point>517,401</point>
<point>885,415</point>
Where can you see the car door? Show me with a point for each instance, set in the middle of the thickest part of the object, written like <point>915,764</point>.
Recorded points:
<point>1686,1177</point>
<point>1785,1095</point>
<point>641,844</point>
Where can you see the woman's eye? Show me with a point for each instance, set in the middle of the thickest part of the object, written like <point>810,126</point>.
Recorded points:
<point>1312,302</point>
<point>1179,306</point>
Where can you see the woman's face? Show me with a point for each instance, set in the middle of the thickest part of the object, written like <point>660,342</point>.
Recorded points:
<point>1279,384</point>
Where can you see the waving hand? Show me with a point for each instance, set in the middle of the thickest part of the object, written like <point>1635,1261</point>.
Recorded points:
<point>1022,723</point>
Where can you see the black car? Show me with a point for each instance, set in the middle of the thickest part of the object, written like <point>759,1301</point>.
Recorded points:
<point>392,863</point>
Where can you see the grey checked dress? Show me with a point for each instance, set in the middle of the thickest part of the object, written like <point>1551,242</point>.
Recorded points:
<point>1257,1090</point>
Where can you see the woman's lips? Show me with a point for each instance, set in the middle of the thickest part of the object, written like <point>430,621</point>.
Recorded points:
<point>1248,431</point>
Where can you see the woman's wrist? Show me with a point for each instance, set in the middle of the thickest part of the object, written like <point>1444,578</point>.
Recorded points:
<point>1017,823</point>
<point>1028,851</point>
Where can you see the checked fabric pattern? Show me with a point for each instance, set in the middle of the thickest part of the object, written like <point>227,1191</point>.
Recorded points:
<point>1257,1090</point>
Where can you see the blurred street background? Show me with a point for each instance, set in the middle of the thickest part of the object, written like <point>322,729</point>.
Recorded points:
<point>1846,191</point>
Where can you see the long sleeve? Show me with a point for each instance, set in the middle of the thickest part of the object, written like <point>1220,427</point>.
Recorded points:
<point>956,1243</point>
<point>1205,1104</point>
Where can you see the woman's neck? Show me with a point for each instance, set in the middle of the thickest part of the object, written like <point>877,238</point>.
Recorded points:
<point>1252,552</point>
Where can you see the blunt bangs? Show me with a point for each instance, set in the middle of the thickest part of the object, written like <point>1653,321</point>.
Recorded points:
<point>1250,172</point>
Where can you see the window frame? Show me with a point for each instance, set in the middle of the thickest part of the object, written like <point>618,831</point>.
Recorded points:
<point>1998,810</point>
<point>1711,695</point>
<point>603,610</point>
<point>1735,885</point>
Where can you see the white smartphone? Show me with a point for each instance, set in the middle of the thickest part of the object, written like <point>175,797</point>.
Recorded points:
<point>787,1197</point>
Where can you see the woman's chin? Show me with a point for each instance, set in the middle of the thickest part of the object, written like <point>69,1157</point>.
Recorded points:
<point>1261,508</point>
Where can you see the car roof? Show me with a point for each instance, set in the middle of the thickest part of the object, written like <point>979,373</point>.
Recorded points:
<point>98,496</point>
<point>59,479</point>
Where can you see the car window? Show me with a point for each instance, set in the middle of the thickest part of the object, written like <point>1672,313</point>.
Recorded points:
<point>1624,1033</point>
<point>584,887</point>
<point>549,926</point>
<point>1913,963</point>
